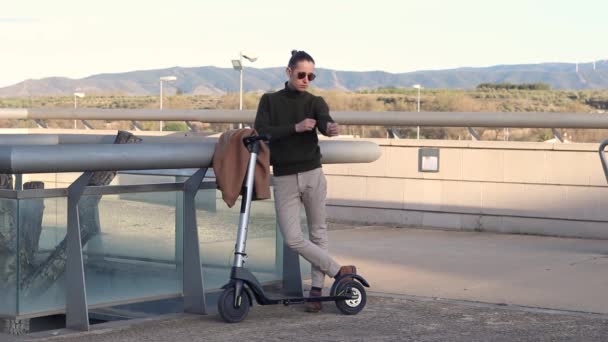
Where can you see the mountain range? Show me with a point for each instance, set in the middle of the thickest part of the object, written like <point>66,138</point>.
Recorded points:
<point>214,80</point>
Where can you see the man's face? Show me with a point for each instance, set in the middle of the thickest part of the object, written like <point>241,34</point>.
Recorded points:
<point>300,76</point>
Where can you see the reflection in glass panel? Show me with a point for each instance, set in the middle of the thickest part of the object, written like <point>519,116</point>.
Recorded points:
<point>8,256</point>
<point>218,226</point>
<point>217,236</point>
<point>42,231</point>
<point>130,247</point>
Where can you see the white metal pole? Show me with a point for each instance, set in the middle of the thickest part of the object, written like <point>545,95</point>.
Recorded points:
<point>241,86</point>
<point>240,125</point>
<point>75,106</point>
<point>161,102</point>
<point>418,128</point>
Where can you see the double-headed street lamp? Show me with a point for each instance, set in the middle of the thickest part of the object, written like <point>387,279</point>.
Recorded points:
<point>166,79</point>
<point>418,86</point>
<point>76,96</point>
<point>237,64</point>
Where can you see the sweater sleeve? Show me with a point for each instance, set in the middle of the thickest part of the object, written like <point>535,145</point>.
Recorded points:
<point>264,125</point>
<point>322,115</point>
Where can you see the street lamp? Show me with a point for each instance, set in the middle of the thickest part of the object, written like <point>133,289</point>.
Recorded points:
<point>418,86</point>
<point>167,79</point>
<point>237,64</point>
<point>77,95</point>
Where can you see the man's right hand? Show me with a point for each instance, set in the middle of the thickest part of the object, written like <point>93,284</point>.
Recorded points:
<point>306,125</point>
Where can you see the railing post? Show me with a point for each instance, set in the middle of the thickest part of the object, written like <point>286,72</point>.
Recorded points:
<point>193,286</point>
<point>290,263</point>
<point>191,127</point>
<point>40,123</point>
<point>136,125</point>
<point>556,135</point>
<point>473,134</point>
<point>179,229</point>
<point>77,313</point>
<point>87,124</point>
<point>603,158</point>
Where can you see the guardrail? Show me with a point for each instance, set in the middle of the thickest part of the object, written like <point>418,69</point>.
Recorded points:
<point>45,156</point>
<point>116,157</point>
<point>443,119</point>
<point>428,119</point>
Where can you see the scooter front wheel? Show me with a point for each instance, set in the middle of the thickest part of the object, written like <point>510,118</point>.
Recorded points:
<point>227,310</point>
<point>359,297</point>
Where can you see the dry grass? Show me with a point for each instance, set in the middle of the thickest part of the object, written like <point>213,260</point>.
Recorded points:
<point>389,99</point>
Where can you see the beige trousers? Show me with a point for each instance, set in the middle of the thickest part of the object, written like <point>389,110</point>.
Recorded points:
<point>308,188</point>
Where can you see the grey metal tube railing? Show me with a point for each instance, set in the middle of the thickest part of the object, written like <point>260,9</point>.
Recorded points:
<point>176,138</point>
<point>437,119</point>
<point>63,138</point>
<point>102,157</point>
<point>474,119</point>
<point>92,157</point>
<point>29,139</point>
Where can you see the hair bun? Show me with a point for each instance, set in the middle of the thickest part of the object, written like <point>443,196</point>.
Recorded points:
<point>293,52</point>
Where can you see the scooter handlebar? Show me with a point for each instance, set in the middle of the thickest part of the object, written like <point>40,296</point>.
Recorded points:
<point>252,141</point>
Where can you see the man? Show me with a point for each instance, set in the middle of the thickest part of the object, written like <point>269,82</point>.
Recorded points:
<point>291,117</point>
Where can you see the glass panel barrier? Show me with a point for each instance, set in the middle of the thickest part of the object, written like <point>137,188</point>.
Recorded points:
<point>130,249</point>
<point>8,256</point>
<point>43,227</point>
<point>217,237</point>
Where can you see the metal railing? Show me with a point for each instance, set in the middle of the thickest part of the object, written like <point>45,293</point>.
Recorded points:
<point>112,157</point>
<point>427,119</point>
<point>76,307</point>
<point>82,157</point>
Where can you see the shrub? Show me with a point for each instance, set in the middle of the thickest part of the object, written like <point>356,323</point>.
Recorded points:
<point>176,127</point>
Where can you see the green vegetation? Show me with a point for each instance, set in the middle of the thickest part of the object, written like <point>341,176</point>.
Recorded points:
<point>176,127</point>
<point>511,86</point>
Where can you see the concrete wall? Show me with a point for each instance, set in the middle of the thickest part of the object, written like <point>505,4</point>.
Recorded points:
<point>535,188</point>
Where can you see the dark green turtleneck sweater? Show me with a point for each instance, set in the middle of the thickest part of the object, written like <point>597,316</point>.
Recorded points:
<point>278,113</point>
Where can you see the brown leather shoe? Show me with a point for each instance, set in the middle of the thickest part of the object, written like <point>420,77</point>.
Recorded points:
<point>346,270</point>
<point>314,306</point>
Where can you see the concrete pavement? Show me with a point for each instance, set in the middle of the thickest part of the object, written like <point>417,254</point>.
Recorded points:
<point>426,286</point>
<point>384,319</point>
<point>536,271</point>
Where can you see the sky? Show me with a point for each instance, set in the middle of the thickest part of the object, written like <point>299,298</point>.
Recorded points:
<point>78,38</point>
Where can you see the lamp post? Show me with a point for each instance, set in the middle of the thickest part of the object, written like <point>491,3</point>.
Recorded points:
<point>418,86</point>
<point>237,64</point>
<point>167,79</point>
<point>76,96</point>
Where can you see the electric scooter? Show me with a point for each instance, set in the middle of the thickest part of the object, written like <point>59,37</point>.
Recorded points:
<point>347,291</point>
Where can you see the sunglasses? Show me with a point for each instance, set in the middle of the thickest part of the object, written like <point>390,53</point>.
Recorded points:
<point>303,74</point>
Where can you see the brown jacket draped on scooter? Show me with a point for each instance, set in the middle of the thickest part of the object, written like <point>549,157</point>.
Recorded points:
<point>230,166</point>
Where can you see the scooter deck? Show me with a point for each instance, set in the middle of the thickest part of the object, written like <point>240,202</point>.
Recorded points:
<point>301,300</point>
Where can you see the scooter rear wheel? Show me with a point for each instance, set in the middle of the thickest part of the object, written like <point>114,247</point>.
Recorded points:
<point>225,306</point>
<point>354,305</point>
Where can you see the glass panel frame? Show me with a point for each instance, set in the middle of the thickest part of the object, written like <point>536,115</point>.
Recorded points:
<point>217,227</point>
